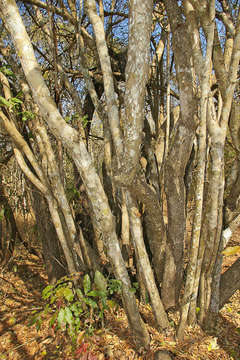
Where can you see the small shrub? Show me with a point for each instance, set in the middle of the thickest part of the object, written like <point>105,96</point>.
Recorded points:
<point>76,308</point>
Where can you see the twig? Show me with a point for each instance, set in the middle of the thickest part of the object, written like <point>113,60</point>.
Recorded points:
<point>9,282</point>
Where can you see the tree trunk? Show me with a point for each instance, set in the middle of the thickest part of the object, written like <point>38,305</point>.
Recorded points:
<point>144,264</point>
<point>229,283</point>
<point>180,149</point>
<point>53,257</point>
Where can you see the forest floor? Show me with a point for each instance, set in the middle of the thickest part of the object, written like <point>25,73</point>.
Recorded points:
<point>21,284</point>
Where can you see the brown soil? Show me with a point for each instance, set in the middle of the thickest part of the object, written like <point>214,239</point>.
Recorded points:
<point>21,284</point>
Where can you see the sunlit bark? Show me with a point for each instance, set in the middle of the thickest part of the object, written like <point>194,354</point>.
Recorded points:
<point>195,260</point>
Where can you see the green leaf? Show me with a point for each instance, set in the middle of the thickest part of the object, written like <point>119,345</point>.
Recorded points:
<point>112,304</point>
<point>27,115</point>
<point>61,318</point>
<point>77,323</point>
<point>46,293</point>
<point>101,313</point>
<point>68,119</point>
<point>136,285</point>
<point>4,102</point>
<point>100,281</point>
<point>86,284</point>
<point>68,316</point>
<point>94,293</point>
<point>76,308</point>
<point>84,120</point>
<point>79,294</point>
<point>46,309</point>
<point>115,286</point>
<point>34,319</point>
<point>68,294</point>
<point>2,214</point>
<point>53,319</point>
<point>53,299</point>
<point>6,70</point>
<point>38,324</point>
<point>15,101</point>
<point>103,300</point>
<point>91,303</point>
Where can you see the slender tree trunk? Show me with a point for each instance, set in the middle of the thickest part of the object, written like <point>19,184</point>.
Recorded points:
<point>188,310</point>
<point>144,264</point>
<point>53,259</point>
<point>180,150</point>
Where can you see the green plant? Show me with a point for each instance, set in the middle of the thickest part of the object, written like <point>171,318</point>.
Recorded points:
<point>10,103</point>
<point>74,308</point>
